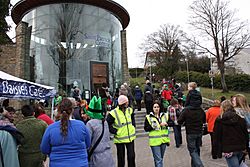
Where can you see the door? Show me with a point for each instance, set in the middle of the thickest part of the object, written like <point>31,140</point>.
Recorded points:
<point>99,74</point>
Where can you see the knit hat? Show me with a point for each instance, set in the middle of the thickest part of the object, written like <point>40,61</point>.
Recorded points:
<point>122,99</point>
<point>166,86</point>
<point>95,108</point>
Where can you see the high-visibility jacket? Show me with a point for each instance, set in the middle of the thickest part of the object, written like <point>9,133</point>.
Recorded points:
<point>159,135</point>
<point>123,124</point>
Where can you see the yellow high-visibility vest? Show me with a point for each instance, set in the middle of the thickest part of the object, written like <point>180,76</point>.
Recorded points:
<point>123,124</point>
<point>160,134</point>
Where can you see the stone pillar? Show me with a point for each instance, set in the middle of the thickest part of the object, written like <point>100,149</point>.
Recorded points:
<point>21,57</point>
<point>21,31</point>
<point>124,58</point>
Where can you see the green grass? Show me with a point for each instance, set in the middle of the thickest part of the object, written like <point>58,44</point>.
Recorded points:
<point>207,93</point>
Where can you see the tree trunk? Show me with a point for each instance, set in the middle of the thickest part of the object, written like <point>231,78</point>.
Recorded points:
<point>62,72</point>
<point>222,76</point>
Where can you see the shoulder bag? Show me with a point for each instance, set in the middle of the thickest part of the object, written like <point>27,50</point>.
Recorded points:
<point>91,150</point>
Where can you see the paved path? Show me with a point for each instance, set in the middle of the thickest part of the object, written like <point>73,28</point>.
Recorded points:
<point>174,157</point>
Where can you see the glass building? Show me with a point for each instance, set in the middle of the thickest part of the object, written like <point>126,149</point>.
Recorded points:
<point>73,43</point>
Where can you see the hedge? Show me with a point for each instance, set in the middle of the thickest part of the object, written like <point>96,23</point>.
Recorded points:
<point>237,82</point>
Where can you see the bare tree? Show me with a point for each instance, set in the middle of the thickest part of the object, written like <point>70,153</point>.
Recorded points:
<point>218,24</point>
<point>164,48</point>
<point>63,48</point>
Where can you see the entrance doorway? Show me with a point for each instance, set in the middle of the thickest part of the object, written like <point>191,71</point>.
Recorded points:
<point>99,73</point>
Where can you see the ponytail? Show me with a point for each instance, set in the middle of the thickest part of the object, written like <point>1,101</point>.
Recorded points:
<point>64,123</point>
<point>65,108</point>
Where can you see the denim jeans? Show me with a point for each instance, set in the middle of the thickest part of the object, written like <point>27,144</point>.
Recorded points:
<point>193,145</point>
<point>177,135</point>
<point>234,160</point>
<point>158,154</point>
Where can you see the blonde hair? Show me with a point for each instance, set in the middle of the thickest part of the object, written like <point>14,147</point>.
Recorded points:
<point>241,102</point>
<point>216,103</point>
<point>192,85</point>
<point>225,106</point>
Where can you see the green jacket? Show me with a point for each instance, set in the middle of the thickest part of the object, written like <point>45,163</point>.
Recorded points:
<point>29,151</point>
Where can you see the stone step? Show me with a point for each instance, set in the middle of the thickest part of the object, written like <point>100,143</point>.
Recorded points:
<point>140,119</point>
<point>139,130</point>
<point>140,112</point>
<point>144,134</point>
<point>139,126</point>
<point>140,116</point>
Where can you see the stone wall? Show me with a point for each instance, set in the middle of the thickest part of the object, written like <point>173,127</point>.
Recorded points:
<point>14,58</point>
<point>8,58</point>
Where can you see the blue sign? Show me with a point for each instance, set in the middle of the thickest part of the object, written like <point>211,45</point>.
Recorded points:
<point>18,89</point>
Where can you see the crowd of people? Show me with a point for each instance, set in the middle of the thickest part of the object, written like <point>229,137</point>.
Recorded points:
<point>79,133</point>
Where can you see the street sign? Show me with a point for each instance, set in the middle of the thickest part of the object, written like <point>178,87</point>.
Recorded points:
<point>211,74</point>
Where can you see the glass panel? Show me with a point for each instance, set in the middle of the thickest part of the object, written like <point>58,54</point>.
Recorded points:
<point>65,38</point>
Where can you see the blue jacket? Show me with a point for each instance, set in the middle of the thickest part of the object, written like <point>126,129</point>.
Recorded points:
<point>69,150</point>
<point>138,94</point>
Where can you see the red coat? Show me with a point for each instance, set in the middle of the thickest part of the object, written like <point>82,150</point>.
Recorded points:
<point>211,115</point>
<point>167,94</point>
<point>45,118</point>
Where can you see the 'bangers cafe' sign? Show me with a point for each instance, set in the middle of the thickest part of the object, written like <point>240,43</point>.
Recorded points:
<point>16,89</point>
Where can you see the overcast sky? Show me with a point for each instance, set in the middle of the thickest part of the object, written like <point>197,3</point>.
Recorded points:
<point>146,17</point>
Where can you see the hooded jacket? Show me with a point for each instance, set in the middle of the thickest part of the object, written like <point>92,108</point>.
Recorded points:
<point>193,119</point>
<point>193,99</point>
<point>230,133</point>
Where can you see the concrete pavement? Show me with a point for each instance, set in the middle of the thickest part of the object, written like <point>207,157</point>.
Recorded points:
<point>174,157</point>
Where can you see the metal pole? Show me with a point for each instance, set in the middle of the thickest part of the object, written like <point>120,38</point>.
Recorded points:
<point>150,73</point>
<point>187,70</point>
<point>52,108</point>
<point>212,84</point>
<point>136,72</point>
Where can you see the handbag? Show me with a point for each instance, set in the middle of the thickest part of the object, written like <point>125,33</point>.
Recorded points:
<point>204,129</point>
<point>243,164</point>
<point>242,161</point>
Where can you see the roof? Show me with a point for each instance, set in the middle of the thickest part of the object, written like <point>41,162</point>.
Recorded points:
<point>24,6</point>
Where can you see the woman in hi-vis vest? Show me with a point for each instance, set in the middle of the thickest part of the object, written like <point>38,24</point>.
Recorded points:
<point>156,125</point>
<point>122,124</point>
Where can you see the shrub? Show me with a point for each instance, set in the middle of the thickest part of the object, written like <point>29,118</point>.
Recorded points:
<point>238,82</point>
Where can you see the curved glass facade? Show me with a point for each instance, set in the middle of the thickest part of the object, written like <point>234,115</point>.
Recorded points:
<point>67,42</point>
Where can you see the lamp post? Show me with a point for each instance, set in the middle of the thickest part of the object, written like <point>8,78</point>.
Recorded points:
<point>211,74</point>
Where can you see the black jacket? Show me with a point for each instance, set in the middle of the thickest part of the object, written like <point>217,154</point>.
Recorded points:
<point>230,133</point>
<point>148,93</point>
<point>193,119</point>
<point>193,99</point>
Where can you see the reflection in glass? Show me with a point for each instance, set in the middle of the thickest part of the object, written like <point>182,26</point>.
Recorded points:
<point>65,38</point>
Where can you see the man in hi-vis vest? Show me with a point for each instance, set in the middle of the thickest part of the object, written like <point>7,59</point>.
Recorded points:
<point>122,124</point>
